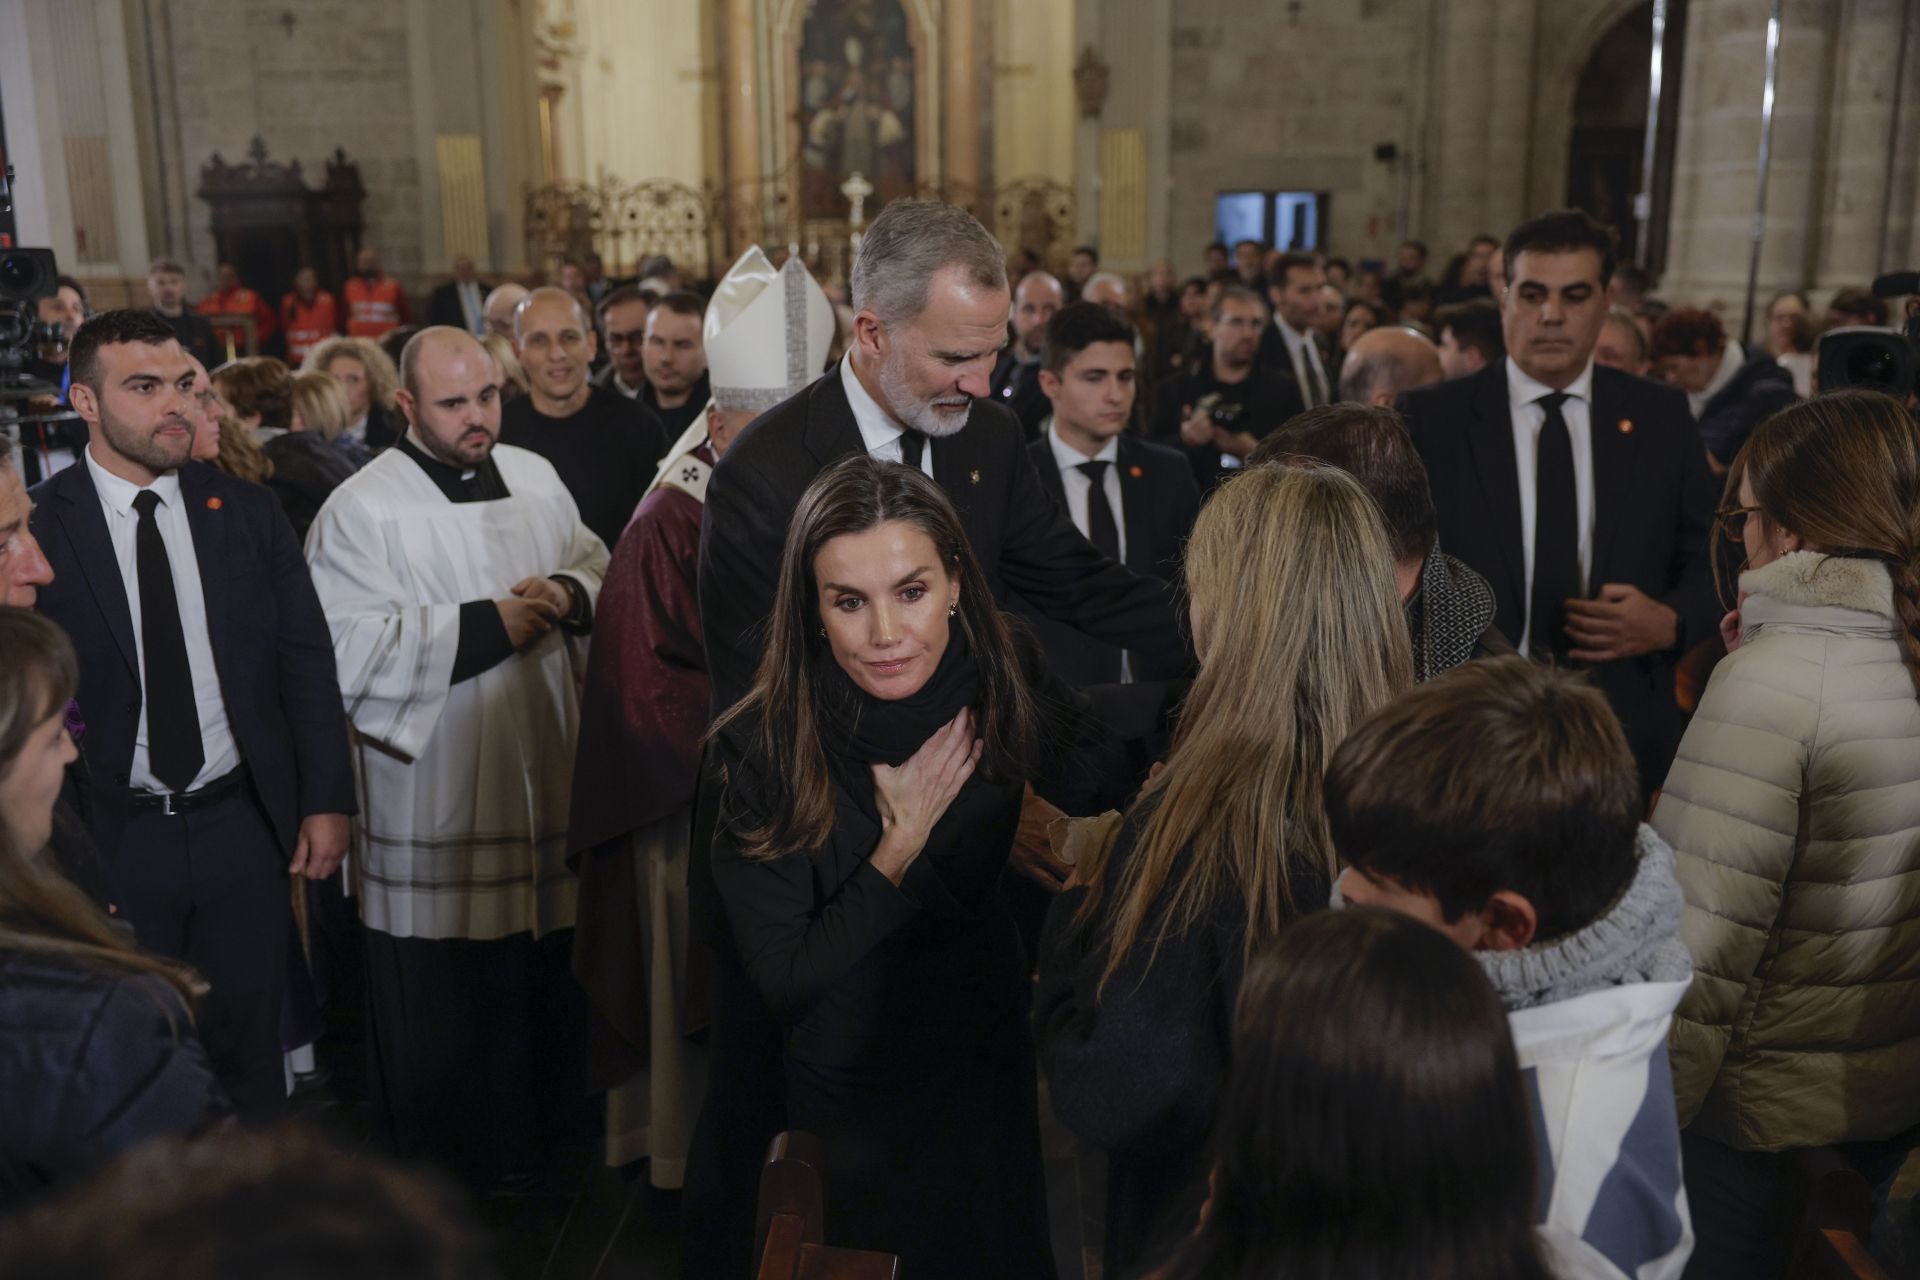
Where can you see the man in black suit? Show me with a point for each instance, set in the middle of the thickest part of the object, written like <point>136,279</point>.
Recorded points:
<point>461,302</point>
<point>930,295</point>
<point>1016,378</point>
<point>1134,500</point>
<point>1580,493</point>
<point>216,737</point>
<point>1290,344</point>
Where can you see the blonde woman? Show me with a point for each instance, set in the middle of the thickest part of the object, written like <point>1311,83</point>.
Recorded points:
<point>370,381</point>
<point>513,376</point>
<point>99,1052</point>
<point>1300,633</point>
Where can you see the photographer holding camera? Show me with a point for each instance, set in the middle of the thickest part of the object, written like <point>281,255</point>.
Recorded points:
<point>1218,411</point>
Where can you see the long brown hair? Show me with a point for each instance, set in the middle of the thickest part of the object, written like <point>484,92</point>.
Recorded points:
<point>1300,633</point>
<point>1374,1122</point>
<point>41,912</point>
<point>1843,472</point>
<point>853,496</point>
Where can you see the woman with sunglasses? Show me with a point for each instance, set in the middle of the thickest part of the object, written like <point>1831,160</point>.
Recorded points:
<point>1794,807</point>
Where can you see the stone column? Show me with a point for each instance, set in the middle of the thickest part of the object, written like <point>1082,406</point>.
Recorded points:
<point>960,113</point>
<point>740,110</point>
<point>1716,160</point>
<point>1860,141</point>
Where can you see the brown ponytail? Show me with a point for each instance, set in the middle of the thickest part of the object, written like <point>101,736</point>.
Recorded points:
<point>1842,471</point>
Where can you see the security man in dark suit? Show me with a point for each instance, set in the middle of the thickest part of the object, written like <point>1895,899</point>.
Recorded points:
<point>1580,492</point>
<point>1016,378</point>
<point>215,737</point>
<point>929,290</point>
<point>1134,500</point>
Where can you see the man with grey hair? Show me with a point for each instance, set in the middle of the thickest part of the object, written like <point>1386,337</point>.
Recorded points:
<point>929,292</point>
<point>1386,363</point>
<point>604,445</point>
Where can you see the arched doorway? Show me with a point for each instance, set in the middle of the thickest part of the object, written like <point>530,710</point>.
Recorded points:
<point>1607,150</point>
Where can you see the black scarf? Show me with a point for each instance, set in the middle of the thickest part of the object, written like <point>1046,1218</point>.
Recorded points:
<point>860,729</point>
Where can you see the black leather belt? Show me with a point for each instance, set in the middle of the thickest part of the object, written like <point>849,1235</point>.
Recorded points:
<point>171,803</point>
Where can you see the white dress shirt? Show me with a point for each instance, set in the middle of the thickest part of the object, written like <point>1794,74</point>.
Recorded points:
<point>123,522</point>
<point>877,428</point>
<point>1077,487</point>
<point>472,306</point>
<point>1303,351</point>
<point>1528,418</point>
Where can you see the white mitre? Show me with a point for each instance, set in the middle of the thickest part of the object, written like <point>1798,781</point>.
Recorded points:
<point>767,335</point>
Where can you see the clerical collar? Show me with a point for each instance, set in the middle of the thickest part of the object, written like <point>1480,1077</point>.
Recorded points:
<point>480,483</point>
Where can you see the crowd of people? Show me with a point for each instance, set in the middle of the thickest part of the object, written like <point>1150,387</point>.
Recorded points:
<point>1421,796</point>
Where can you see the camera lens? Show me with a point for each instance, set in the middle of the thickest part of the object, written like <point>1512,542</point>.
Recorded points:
<point>1873,366</point>
<point>19,273</point>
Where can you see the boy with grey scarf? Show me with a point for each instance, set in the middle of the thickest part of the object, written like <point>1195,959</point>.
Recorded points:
<point>1500,804</point>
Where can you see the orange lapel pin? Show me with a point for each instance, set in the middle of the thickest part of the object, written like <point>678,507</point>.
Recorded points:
<point>1135,472</point>
<point>1626,426</point>
<point>213,504</point>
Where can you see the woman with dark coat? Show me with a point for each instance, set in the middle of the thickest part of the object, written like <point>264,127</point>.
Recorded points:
<point>1730,394</point>
<point>1300,633</point>
<point>97,1051</point>
<point>874,784</point>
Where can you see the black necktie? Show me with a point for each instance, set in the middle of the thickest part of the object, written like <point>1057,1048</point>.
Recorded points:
<point>1556,535</point>
<point>174,749</point>
<point>1316,389</point>
<point>1102,530</point>
<point>912,443</point>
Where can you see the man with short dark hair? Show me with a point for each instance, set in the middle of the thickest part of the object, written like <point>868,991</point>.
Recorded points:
<point>1409,271</point>
<point>1133,499</point>
<point>1449,606</point>
<point>215,737</point>
<point>461,302</point>
<point>1218,262</point>
<point>376,304</point>
<point>1581,494</point>
<point>1016,378</point>
<point>1288,345</point>
<point>1498,803</point>
<point>1470,337</point>
<point>676,362</point>
<point>1219,410</point>
<point>447,565</point>
<point>1628,286</point>
<point>604,446</point>
<point>1249,264</point>
<point>232,299</point>
<point>623,323</point>
<point>1080,268</point>
<point>167,291</point>
<point>1855,306</point>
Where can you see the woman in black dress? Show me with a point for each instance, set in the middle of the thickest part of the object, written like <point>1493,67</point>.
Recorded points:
<point>874,783</point>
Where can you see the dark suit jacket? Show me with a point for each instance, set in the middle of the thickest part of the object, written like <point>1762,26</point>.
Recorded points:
<point>271,646</point>
<point>1158,501</point>
<point>1652,526</point>
<point>444,306</point>
<point>1018,388</point>
<point>1021,536</point>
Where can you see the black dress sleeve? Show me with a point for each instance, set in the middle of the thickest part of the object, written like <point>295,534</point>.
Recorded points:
<point>794,946</point>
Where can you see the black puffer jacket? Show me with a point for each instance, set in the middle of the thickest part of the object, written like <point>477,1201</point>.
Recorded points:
<point>91,1063</point>
<point>1761,389</point>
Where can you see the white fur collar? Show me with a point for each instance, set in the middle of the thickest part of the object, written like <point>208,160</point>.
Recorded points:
<point>1813,578</point>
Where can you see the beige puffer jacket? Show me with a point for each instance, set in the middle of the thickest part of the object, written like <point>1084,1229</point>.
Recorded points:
<point>1794,807</point>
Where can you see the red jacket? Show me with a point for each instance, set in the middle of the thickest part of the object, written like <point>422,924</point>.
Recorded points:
<point>375,308</point>
<point>308,324</point>
<point>238,302</point>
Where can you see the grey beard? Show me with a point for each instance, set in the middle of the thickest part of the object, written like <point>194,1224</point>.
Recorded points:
<point>918,414</point>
